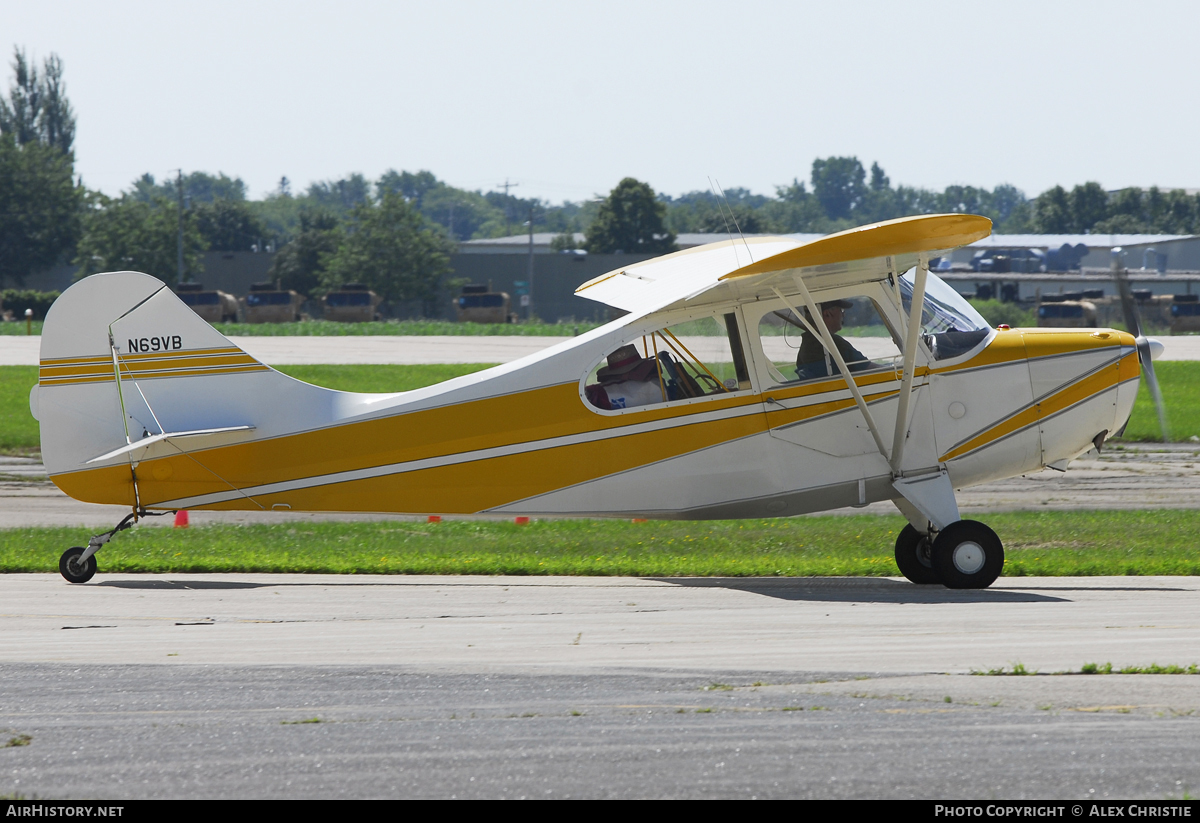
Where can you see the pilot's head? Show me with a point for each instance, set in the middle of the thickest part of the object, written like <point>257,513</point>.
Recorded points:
<point>833,312</point>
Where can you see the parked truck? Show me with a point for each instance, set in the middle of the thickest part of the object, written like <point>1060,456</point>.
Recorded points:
<point>266,303</point>
<point>352,303</point>
<point>213,305</point>
<point>479,304</point>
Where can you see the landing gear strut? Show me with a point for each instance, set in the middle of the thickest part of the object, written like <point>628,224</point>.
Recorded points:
<point>78,565</point>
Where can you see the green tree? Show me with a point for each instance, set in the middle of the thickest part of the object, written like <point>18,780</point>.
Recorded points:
<point>198,187</point>
<point>340,196</point>
<point>39,199</point>
<point>37,109</point>
<point>301,263</point>
<point>795,209</point>
<point>229,225</point>
<point>39,208</point>
<point>126,234</point>
<point>736,218</point>
<point>838,184</point>
<point>57,121</point>
<point>1007,199</point>
<point>630,220</point>
<point>1126,214</point>
<point>389,247</point>
<point>1053,212</point>
<point>412,187</point>
<point>1089,205</point>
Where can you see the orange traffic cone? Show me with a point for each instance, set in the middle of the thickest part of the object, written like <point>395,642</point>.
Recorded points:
<point>181,520</point>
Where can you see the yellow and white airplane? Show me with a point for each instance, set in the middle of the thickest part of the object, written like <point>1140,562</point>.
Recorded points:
<point>725,392</point>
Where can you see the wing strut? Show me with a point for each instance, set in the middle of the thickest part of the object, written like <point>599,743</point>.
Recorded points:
<point>910,360</point>
<point>827,341</point>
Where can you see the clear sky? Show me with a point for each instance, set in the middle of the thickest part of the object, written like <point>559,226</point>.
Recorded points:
<point>566,98</point>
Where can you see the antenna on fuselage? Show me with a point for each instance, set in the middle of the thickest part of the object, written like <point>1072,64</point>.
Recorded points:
<point>733,217</point>
<point>725,220</point>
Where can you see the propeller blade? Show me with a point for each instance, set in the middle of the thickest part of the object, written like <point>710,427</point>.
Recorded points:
<point>1128,304</point>
<point>1146,360</point>
<point>1145,355</point>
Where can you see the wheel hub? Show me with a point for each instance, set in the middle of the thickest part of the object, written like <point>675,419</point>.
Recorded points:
<point>969,557</point>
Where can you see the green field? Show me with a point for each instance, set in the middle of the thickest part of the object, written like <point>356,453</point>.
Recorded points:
<point>1036,543</point>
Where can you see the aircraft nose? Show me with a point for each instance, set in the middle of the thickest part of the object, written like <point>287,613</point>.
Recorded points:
<point>1156,347</point>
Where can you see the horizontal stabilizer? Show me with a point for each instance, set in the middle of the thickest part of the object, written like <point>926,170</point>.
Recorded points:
<point>137,450</point>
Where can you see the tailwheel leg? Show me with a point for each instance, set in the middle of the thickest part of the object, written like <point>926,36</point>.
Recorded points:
<point>78,564</point>
<point>968,555</point>
<point>74,567</point>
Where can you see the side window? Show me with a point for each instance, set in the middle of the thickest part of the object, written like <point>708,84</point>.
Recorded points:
<point>794,354</point>
<point>687,361</point>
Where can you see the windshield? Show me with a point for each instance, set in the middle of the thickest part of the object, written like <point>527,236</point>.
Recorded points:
<point>949,324</point>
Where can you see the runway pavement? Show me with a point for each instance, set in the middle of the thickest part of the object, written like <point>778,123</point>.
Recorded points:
<point>318,686</point>
<point>524,624</point>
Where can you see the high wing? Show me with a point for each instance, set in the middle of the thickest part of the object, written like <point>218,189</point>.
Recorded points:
<point>750,268</point>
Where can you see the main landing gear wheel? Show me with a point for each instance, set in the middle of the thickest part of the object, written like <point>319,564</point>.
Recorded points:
<point>968,555</point>
<point>914,556</point>
<point>74,571</point>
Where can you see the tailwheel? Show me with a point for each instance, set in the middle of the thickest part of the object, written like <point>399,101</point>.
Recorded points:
<point>914,556</point>
<point>968,555</point>
<point>74,571</point>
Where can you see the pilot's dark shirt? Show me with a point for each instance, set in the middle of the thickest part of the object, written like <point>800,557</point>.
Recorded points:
<point>812,360</point>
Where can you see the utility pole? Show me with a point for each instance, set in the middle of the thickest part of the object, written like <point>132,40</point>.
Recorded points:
<point>529,316</point>
<point>507,185</point>
<point>179,190</point>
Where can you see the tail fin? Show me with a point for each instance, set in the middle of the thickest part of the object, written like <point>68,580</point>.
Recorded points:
<point>131,373</point>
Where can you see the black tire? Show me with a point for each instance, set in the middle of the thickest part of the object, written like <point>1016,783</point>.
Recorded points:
<point>968,555</point>
<point>70,567</point>
<point>914,556</point>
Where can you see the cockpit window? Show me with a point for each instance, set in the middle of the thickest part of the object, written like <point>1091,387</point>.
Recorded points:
<point>949,324</point>
<point>794,353</point>
<point>695,359</point>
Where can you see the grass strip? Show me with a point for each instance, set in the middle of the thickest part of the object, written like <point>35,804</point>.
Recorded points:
<point>377,378</point>
<point>1036,543</point>
<point>1180,384</point>
<point>17,328</point>
<point>19,432</point>
<point>1019,670</point>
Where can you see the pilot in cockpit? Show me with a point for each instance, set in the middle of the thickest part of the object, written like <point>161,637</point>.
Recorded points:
<point>813,360</point>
